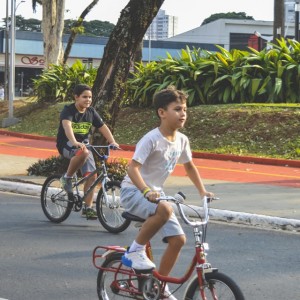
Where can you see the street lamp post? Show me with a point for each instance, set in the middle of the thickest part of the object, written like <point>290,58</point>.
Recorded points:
<point>11,120</point>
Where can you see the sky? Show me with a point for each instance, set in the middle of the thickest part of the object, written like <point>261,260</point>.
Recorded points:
<point>190,13</point>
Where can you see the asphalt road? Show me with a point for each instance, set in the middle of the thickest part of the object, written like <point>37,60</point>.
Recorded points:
<point>42,260</point>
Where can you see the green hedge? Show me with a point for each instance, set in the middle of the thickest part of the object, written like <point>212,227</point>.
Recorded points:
<point>267,76</point>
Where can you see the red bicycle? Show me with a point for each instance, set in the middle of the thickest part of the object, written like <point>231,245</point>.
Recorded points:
<point>116,281</point>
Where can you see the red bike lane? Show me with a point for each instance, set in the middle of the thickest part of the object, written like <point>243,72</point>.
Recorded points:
<point>215,169</point>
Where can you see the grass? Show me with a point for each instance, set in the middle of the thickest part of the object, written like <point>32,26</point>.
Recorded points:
<point>257,130</point>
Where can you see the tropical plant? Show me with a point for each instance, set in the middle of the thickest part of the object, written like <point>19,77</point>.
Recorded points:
<point>223,77</point>
<point>57,82</point>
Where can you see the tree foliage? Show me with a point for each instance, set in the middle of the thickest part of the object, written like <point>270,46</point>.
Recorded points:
<point>89,28</point>
<point>229,15</point>
<point>77,28</point>
<point>31,24</point>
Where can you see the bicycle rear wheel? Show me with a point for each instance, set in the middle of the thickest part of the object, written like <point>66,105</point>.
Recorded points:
<point>109,283</point>
<point>56,203</point>
<point>219,286</point>
<point>109,209</point>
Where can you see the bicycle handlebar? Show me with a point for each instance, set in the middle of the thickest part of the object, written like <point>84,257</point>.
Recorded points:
<point>178,200</point>
<point>101,156</point>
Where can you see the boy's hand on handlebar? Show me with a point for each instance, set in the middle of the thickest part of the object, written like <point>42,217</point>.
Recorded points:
<point>152,196</point>
<point>114,146</point>
<point>80,145</point>
<point>207,194</point>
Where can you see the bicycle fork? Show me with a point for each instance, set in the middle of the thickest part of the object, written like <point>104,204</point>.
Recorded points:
<point>202,266</point>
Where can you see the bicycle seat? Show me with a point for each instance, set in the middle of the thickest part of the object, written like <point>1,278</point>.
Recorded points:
<point>129,216</point>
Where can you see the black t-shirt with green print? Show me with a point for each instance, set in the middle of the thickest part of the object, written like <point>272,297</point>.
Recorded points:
<point>81,124</point>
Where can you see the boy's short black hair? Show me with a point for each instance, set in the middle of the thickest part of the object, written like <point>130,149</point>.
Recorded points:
<point>80,88</point>
<point>164,97</point>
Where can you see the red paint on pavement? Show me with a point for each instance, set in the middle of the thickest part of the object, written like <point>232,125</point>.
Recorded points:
<point>209,168</point>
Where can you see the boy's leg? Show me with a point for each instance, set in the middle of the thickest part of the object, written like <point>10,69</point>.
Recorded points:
<point>89,167</point>
<point>171,254</point>
<point>76,162</point>
<point>77,158</point>
<point>156,216</point>
<point>89,198</point>
<point>154,223</point>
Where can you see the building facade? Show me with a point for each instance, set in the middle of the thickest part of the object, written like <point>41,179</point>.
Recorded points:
<point>162,27</point>
<point>29,61</point>
<point>233,34</point>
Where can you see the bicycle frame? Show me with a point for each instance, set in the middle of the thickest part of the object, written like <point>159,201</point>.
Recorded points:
<point>198,262</point>
<point>102,177</point>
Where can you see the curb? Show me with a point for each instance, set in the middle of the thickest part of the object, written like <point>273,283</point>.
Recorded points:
<point>215,214</point>
<point>205,155</point>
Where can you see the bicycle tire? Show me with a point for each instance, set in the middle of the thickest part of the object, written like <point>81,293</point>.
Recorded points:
<point>105,288</point>
<point>224,287</point>
<point>55,201</point>
<point>110,213</point>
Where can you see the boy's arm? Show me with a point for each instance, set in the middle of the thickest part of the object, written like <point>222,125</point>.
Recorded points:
<point>104,130</point>
<point>194,175</point>
<point>137,179</point>
<point>67,125</point>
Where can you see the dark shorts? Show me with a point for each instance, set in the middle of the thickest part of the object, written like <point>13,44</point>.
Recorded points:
<point>69,151</point>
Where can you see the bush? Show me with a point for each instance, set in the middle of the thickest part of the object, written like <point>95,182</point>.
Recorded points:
<point>49,166</point>
<point>116,168</point>
<point>222,77</point>
<point>57,83</point>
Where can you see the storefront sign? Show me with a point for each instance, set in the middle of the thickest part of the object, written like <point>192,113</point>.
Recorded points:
<point>32,60</point>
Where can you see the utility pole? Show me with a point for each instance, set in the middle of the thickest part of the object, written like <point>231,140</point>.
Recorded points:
<point>297,8</point>
<point>278,26</point>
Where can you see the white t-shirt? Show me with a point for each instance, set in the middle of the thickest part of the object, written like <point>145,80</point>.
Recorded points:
<point>158,157</point>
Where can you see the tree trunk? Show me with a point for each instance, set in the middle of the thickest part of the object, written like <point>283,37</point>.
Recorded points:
<point>74,30</point>
<point>278,26</point>
<point>124,41</point>
<point>53,25</point>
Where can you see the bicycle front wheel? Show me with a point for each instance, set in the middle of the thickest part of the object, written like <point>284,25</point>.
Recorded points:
<point>109,209</point>
<point>113,284</point>
<point>219,286</point>
<point>56,203</point>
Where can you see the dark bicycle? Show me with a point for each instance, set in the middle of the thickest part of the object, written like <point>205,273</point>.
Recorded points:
<point>57,204</point>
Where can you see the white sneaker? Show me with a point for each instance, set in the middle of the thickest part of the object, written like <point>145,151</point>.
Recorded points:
<point>66,183</point>
<point>168,295</point>
<point>137,260</point>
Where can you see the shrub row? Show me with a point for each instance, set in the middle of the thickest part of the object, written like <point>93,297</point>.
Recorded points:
<point>267,76</point>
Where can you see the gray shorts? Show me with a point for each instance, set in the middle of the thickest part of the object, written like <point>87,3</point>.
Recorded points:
<point>89,166</point>
<point>134,202</point>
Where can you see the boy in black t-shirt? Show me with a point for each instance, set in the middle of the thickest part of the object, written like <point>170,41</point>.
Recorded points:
<point>76,121</point>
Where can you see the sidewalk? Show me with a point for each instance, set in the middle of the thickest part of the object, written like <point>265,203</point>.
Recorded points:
<point>260,195</point>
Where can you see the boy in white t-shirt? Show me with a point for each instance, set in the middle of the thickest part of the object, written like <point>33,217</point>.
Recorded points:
<point>154,160</point>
